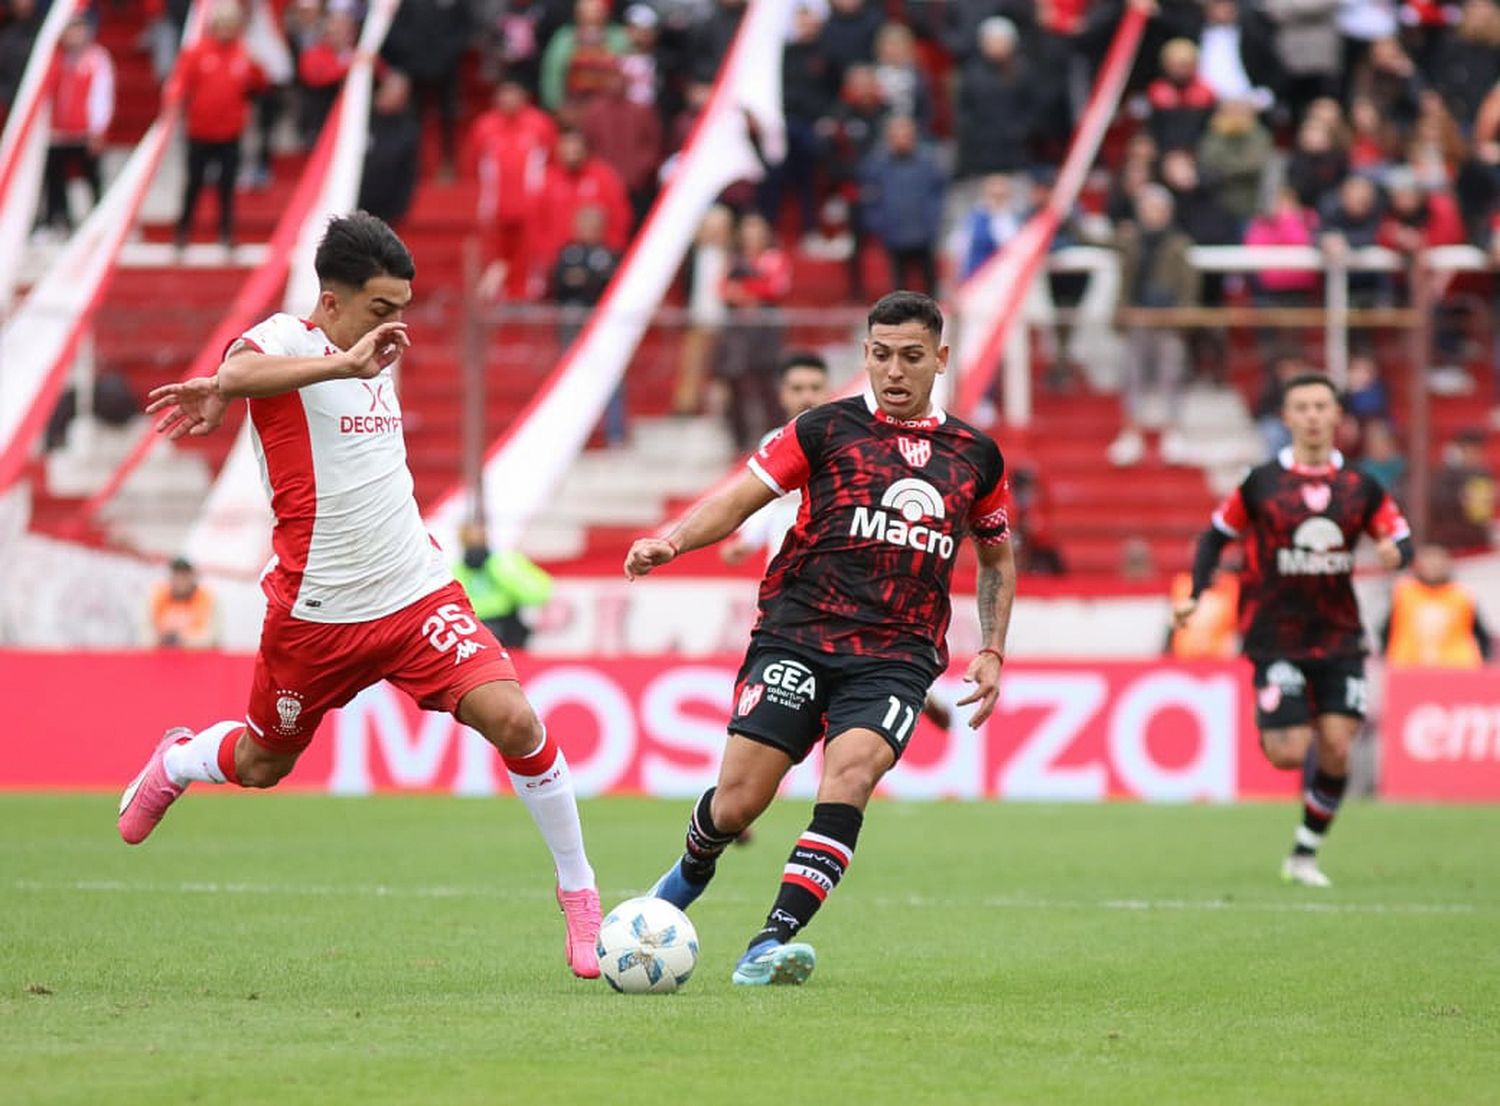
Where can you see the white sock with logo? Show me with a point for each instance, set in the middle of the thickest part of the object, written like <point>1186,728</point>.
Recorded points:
<point>542,782</point>
<point>197,760</point>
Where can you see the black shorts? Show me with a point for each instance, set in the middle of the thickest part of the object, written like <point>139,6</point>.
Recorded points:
<point>791,698</point>
<point>1292,692</point>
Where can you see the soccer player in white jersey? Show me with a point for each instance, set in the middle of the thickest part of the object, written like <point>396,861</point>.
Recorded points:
<point>357,590</point>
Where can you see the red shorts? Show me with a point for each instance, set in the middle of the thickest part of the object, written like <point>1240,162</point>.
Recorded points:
<point>435,650</point>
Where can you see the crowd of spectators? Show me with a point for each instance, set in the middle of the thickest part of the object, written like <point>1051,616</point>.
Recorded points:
<point>920,136</point>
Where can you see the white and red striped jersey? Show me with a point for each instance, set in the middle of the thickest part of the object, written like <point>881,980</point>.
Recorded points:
<point>82,86</point>
<point>349,545</point>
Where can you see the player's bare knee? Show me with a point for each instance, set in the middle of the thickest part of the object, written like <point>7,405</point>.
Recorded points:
<point>852,783</point>
<point>1285,748</point>
<point>513,728</point>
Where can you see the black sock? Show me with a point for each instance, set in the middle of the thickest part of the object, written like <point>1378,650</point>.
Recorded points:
<point>1320,802</point>
<point>818,861</point>
<point>704,841</point>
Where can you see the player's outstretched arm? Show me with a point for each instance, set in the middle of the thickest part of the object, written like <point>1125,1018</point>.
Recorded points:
<point>251,375</point>
<point>997,594</point>
<point>714,519</point>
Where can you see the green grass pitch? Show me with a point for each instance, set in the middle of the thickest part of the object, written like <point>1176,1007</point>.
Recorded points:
<point>290,948</point>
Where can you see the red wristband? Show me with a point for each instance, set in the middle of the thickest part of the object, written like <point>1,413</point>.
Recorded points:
<point>676,549</point>
<point>999,656</point>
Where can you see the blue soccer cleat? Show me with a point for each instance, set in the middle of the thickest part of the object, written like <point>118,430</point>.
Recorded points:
<point>676,888</point>
<point>772,963</point>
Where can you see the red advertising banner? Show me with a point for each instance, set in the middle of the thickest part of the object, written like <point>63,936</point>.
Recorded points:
<point>1441,735</point>
<point>656,726</point>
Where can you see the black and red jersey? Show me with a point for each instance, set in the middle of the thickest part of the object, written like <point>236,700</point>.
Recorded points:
<point>1300,526</point>
<point>885,503</point>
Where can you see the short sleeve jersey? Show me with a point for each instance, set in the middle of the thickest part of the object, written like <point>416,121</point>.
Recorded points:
<point>867,568</point>
<point>1299,526</point>
<point>349,544</point>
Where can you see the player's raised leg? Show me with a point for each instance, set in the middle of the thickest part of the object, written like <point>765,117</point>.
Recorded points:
<point>222,753</point>
<point>748,777</point>
<point>853,764</point>
<point>539,773</point>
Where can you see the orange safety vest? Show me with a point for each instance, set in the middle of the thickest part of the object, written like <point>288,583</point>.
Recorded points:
<point>1432,626</point>
<point>1210,633</point>
<point>191,619</point>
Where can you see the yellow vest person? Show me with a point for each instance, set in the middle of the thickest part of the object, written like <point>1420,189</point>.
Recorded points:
<point>1211,633</point>
<point>1434,622</point>
<point>499,585</point>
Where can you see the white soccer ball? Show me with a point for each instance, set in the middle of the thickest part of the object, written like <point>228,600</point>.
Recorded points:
<point>647,945</point>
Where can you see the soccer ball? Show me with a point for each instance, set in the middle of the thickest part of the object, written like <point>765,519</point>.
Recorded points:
<point>647,945</point>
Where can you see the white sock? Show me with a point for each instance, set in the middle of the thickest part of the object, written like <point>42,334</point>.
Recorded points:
<point>553,807</point>
<point>197,759</point>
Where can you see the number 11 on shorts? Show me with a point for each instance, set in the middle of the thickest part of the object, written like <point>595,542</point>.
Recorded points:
<point>891,715</point>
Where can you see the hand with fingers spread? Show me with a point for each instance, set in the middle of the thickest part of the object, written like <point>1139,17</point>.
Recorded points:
<point>377,350</point>
<point>984,673</point>
<point>646,554</point>
<point>193,407</point>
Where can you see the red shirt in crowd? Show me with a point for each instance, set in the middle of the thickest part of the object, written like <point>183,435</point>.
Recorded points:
<point>1443,226</point>
<point>511,153</point>
<point>767,283</point>
<point>218,79</point>
<point>321,65</point>
<point>81,87</point>
<point>1166,95</point>
<point>594,184</point>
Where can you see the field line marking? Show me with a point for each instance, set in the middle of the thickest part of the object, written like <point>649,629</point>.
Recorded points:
<point>996,902</point>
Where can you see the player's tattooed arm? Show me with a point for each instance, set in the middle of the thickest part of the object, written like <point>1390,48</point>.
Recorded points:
<point>714,519</point>
<point>997,594</point>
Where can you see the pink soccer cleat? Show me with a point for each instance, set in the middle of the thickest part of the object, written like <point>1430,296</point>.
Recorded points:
<point>581,913</point>
<point>146,800</point>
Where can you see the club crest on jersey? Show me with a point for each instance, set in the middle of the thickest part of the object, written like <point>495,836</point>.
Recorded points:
<point>288,710</point>
<point>1317,497</point>
<point>917,451</point>
<point>749,699</point>
<point>912,502</point>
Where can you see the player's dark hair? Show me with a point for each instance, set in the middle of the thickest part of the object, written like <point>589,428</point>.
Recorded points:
<point>1307,380</point>
<point>801,359</point>
<point>902,307</point>
<point>360,246</point>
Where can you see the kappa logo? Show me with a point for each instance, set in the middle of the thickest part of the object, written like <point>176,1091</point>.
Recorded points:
<point>1317,550</point>
<point>1317,497</point>
<point>466,649</point>
<point>913,501</point>
<point>917,451</point>
<point>749,699</point>
<point>288,710</point>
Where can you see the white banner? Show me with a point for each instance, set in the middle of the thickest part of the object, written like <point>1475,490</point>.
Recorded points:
<point>526,464</point>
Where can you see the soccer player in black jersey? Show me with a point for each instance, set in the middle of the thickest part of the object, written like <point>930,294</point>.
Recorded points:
<point>1300,517</point>
<point>853,613</point>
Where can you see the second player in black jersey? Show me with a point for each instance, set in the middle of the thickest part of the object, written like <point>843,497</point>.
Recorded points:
<point>853,613</point>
